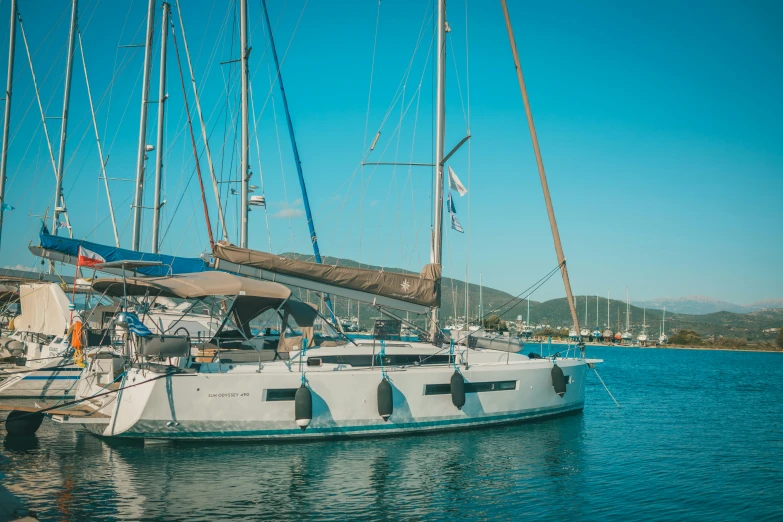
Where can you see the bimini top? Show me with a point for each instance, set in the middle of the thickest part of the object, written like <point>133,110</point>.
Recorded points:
<point>252,297</point>
<point>191,286</point>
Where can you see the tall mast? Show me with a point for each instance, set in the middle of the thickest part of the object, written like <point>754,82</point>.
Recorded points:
<point>59,202</point>
<point>440,134</point>
<point>608,320</point>
<point>7,110</point>
<point>596,311</point>
<point>297,160</point>
<point>244,168</point>
<point>528,312</point>
<point>627,311</point>
<point>164,37</point>
<point>141,152</point>
<point>541,173</point>
<point>481,300</point>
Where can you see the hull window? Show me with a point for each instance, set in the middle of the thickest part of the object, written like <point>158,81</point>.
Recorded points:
<point>281,395</point>
<point>471,387</point>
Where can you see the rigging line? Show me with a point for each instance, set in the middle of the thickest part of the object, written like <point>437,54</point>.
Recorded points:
<point>282,62</point>
<point>527,293</point>
<point>394,133</point>
<point>51,30</point>
<point>282,164</point>
<point>410,170</point>
<point>193,140</point>
<point>34,98</point>
<point>227,78</point>
<point>367,125</point>
<point>114,68</point>
<point>268,45</point>
<point>38,97</point>
<point>467,89</point>
<point>388,192</point>
<point>260,171</point>
<point>213,178</point>
<point>192,172</point>
<point>406,74</point>
<point>456,75</point>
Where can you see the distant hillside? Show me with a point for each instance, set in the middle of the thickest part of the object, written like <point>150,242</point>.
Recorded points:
<point>768,303</point>
<point>555,312</point>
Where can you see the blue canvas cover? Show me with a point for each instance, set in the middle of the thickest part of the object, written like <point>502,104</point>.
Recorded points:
<point>170,265</point>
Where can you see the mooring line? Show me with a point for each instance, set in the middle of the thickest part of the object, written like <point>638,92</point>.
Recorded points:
<point>607,389</point>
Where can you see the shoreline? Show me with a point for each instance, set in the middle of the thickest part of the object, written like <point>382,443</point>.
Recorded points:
<point>672,346</point>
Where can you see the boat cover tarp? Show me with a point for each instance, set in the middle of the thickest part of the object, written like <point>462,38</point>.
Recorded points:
<point>252,297</point>
<point>44,309</point>
<point>422,289</point>
<point>169,264</point>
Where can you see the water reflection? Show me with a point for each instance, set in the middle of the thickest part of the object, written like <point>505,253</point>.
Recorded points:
<point>417,476</point>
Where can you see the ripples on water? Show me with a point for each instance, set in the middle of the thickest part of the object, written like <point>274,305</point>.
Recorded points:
<point>699,437</point>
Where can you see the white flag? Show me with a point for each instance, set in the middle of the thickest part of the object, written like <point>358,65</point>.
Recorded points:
<point>456,184</point>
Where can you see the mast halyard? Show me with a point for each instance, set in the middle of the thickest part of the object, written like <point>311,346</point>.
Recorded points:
<point>141,152</point>
<point>440,134</point>
<point>7,111</point>
<point>244,169</point>
<point>164,34</point>
<point>59,202</point>
<point>542,174</point>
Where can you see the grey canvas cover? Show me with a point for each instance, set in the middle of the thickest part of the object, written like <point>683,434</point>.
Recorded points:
<point>422,289</point>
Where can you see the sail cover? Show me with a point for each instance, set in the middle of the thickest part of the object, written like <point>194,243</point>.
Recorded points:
<point>44,309</point>
<point>170,265</point>
<point>422,289</point>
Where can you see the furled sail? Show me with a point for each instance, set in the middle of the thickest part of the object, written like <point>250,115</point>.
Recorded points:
<point>170,265</point>
<point>421,289</point>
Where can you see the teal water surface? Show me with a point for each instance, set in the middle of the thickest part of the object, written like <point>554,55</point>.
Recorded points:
<point>699,436</point>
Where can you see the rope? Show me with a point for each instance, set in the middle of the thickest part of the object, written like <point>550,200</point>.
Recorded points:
<point>607,389</point>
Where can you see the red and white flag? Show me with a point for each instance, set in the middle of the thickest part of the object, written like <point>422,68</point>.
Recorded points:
<point>88,258</point>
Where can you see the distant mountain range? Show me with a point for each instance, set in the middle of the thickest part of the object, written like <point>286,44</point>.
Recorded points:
<point>701,305</point>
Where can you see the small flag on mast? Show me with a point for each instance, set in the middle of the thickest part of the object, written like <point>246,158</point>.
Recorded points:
<point>456,184</point>
<point>450,203</point>
<point>455,224</point>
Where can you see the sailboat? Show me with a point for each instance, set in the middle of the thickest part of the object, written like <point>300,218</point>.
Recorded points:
<point>584,331</point>
<point>597,331</point>
<point>608,332</point>
<point>295,385</point>
<point>627,336</point>
<point>663,339</point>
<point>642,338</point>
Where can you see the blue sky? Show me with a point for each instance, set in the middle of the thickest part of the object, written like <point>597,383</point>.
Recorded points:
<point>659,124</point>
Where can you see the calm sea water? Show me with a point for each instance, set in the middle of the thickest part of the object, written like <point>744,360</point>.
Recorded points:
<point>699,436</point>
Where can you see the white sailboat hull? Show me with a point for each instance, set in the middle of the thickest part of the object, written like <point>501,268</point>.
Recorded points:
<point>236,404</point>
